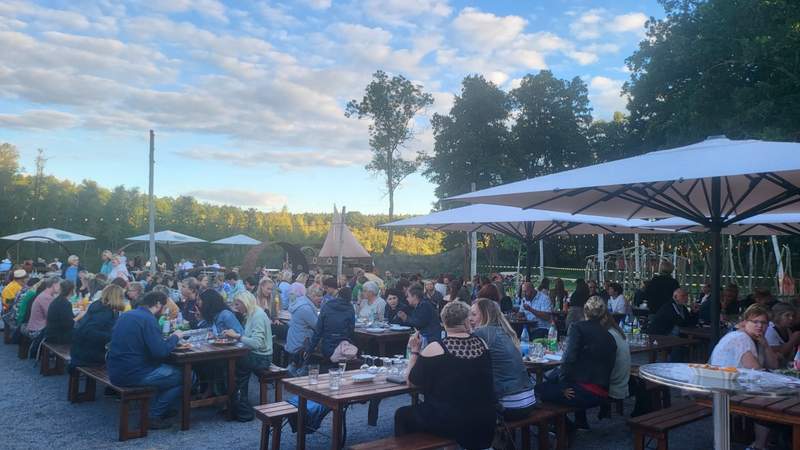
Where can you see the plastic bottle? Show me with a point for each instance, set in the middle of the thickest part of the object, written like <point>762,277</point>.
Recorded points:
<point>165,327</point>
<point>552,336</point>
<point>797,359</point>
<point>525,337</point>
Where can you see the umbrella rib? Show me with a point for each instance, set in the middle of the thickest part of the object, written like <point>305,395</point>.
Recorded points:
<point>570,193</point>
<point>783,199</point>
<point>662,206</point>
<point>685,198</point>
<point>745,230</point>
<point>608,195</point>
<point>728,198</point>
<point>705,193</point>
<point>754,181</point>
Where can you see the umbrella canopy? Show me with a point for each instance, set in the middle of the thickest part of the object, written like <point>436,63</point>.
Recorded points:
<point>714,183</point>
<point>761,225</point>
<point>168,237</point>
<point>239,239</point>
<point>676,182</point>
<point>48,235</point>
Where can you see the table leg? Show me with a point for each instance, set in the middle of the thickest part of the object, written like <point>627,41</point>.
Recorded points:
<point>231,387</point>
<point>301,423</point>
<point>186,406</point>
<point>381,348</point>
<point>722,425</point>
<point>336,434</point>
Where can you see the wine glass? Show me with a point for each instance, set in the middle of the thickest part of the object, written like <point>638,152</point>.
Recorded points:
<point>365,367</point>
<point>373,368</point>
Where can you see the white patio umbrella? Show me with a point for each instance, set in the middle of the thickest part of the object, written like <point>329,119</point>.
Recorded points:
<point>48,235</point>
<point>238,239</point>
<point>715,183</point>
<point>760,225</point>
<point>168,237</point>
<point>526,225</point>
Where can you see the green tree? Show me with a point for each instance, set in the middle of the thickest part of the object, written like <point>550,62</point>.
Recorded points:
<point>717,67</point>
<point>470,140</point>
<point>391,104</point>
<point>550,133</point>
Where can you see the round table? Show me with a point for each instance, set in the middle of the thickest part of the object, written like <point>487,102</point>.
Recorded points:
<point>749,382</point>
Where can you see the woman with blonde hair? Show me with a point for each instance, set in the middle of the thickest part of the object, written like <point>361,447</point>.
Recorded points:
<point>257,336</point>
<point>264,297</point>
<point>512,385</point>
<point>93,330</point>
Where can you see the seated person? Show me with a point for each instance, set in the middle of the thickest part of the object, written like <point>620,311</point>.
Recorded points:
<point>616,301</point>
<point>372,306</point>
<point>729,305</point>
<point>302,324</point>
<point>137,353</point>
<point>37,319</point>
<point>336,323</point>
<point>394,305</point>
<point>422,316</point>
<point>512,384</point>
<point>454,375</point>
<point>257,336</point>
<point>60,320</point>
<point>747,348</point>
<point>93,331</point>
<point>779,333</point>
<point>673,315</point>
<point>216,315</point>
<point>620,374</point>
<point>24,306</point>
<point>586,366</point>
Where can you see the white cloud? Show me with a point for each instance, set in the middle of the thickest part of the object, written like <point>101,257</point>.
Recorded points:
<point>38,120</point>
<point>597,23</point>
<point>290,160</point>
<point>318,4</point>
<point>212,9</point>
<point>606,97</point>
<point>406,13</point>
<point>632,22</point>
<point>236,197</point>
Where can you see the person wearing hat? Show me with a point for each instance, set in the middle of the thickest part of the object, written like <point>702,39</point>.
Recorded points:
<point>585,374</point>
<point>13,288</point>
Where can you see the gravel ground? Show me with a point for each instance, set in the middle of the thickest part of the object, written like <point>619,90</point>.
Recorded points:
<point>36,415</point>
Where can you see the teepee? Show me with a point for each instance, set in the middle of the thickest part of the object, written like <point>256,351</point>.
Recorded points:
<point>340,236</point>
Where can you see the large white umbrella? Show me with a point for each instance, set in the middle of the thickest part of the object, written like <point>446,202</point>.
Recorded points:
<point>168,237</point>
<point>238,239</point>
<point>48,235</point>
<point>715,183</point>
<point>526,225</point>
<point>760,225</point>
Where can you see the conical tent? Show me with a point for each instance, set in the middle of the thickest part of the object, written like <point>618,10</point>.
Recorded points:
<point>168,237</point>
<point>239,239</point>
<point>48,235</point>
<point>350,246</point>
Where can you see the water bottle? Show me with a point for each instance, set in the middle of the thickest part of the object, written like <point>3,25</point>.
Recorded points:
<point>165,327</point>
<point>423,342</point>
<point>552,336</point>
<point>797,359</point>
<point>525,337</point>
<point>635,326</point>
<point>179,320</point>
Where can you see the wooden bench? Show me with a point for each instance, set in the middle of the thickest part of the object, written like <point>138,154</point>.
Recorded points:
<point>7,331</point>
<point>59,353</point>
<point>271,416</point>
<point>414,441</point>
<point>127,395</point>
<point>656,425</point>
<point>540,417</point>
<point>272,375</point>
<point>783,410</point>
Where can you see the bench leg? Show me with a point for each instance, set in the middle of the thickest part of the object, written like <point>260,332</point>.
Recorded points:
<point>638,440</point>
<point>144,416</point>
<point>796,436</point>
<point>526,437</point>
<point>544,435</point>
<point>264,436</point>
<point>91,387</point>
<point>562,439</point>
<point>44,361</point>
<point>123,420</point>
<point>74,386</point>
<point>278,391</point>
<point>663,443</point>
<point>262,392</point>
<point>276,435</point>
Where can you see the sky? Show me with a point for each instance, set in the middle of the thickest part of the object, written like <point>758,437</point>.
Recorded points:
<point>247,98</point>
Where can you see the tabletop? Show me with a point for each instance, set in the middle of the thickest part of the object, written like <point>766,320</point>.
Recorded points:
<point>696,332</point>
<point>386,333</point>
<point>204,352</point>
<point>749,382</point>
<point>349,391</point>
<point>660,342</point>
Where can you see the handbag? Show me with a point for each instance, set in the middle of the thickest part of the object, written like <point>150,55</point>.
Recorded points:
<point>345,351</point>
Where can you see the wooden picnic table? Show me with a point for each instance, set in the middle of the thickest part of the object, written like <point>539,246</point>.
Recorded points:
<point>200,353</point>
<point>369,339</point>
<point>783,410</point>
<point>348,393</point>
<point>540,367</point>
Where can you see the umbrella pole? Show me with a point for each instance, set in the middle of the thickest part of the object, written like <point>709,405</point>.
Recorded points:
<point>716,259</point>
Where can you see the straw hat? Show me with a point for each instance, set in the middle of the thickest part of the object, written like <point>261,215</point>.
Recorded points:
<point>20,273</point>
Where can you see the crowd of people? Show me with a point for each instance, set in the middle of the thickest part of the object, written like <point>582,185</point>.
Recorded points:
<point>463,339</point>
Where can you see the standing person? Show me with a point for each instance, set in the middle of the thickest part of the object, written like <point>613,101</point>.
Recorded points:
<point>576,302</point>
<point>432,295</point>
<point>105,268</point>
<point>93,331</point>
<point>72,270</point>
<point>38,317</point>
<point>616,301</point>
<point>440,286</point>
<point>423,316</point>
<point>137,353</point>
<point>447,373</point>
<point>372,307</point>
<point>118,269</point>
<point>336,323</point>
<point>659,291</point>
<point>512,384</point>
<point>257,336</point>
<point>559,295</point>
<point>538,309</point>
<point>302,326</point>
<point>586,366</point>
<point>60,321</point>
<point>14,287</point>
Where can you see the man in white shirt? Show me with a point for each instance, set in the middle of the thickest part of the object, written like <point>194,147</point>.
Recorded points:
<point>537,309</point>
<point>616,301</point>
<point>372,306</point>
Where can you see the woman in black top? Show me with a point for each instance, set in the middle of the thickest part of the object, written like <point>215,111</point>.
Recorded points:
<point>576,302</point>
<point>455,375</point>
<point>93,331</point>
<point>60,321</point>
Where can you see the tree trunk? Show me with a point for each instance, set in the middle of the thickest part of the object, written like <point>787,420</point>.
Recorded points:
<point>390,185</point>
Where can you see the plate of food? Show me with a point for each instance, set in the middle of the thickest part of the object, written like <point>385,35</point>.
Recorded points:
<point>374,330</point>
<point>182,347</point>
<point>223,341</point>
<point>395,327</point>
<point>363,377</point>
<point>711,371</point>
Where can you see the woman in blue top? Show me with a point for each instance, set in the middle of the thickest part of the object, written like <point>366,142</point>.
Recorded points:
<point>216,315</point>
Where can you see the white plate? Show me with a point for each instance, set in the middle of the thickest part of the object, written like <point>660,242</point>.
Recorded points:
<point>363,377</point>
<point>374,330</point>
<point>399,328</point>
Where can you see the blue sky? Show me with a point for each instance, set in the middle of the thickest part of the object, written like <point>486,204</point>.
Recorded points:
<point>247,98</point>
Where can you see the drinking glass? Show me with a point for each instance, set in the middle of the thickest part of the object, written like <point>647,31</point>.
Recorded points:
<point>343,367</point>
<point>313,374</point>
<point>335,380</point>
<point>365,367</point>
